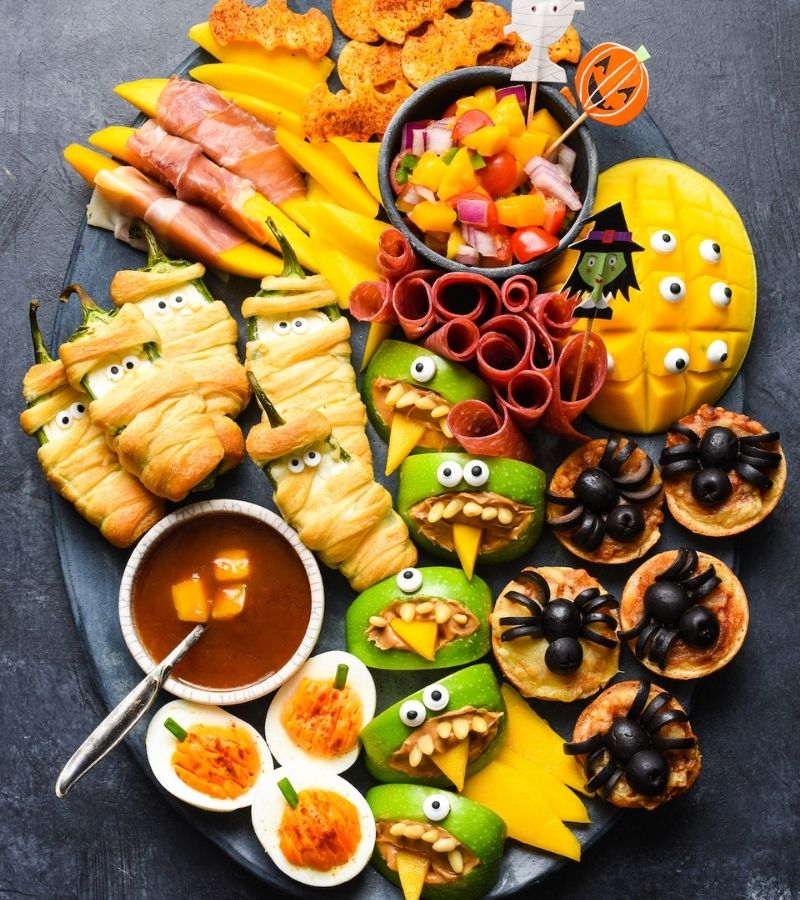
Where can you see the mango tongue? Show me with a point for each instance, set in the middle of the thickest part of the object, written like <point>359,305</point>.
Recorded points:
<point>403,437</point>
<point>378,331</point>
<point>453,763</point>
<point>467,542</point>
<point>420,636</point>
<point>412,869</point>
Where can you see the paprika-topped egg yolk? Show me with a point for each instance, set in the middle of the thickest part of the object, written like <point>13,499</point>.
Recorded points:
<point>323,720</point>
<point>219,761</point>
<point>321,832</point>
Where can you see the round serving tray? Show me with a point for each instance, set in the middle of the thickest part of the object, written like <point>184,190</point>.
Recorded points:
<point>92,568</point>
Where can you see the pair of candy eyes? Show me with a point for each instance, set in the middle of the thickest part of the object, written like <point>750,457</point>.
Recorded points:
<point>311,459</point>
<point>475,473</point>
<point>673,290</point>
<point>176,302</point>
<point>435,698</point>
<point>665,242</point>
<point>117,370</point>
<point>677,359</point>
<point>540,7</point>
<point>296,326</point>
<point>67,416</point>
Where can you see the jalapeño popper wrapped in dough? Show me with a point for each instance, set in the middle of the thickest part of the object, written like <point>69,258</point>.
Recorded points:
<point>298,350</point>
<point>330,497</point>
<point>192,326</point>
<point>75,456</point>
<point>150,407</point>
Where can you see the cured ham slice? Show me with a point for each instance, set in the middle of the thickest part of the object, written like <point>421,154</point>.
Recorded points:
<point>194,177</point>
<point>395,255</point>
<point>413,303</point>
<point>483,432</point>
<point>191,230</point>
<point>563,411</point>
<point>229,136</point>
<point>456,340</point>
<point>467,295</point>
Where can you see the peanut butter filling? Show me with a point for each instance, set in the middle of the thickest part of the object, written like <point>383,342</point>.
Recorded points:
<point>418,404</point>
<point>442,733</point>
<point>449,858</point>
<point>503,520</point>
<point>453,621</point>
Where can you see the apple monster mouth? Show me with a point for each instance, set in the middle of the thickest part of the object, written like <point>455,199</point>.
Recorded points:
<point>447,858</point>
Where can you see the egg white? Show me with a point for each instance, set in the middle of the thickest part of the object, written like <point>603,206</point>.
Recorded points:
<point>268,808</point>
<point>161,744</point>
<point>319,668</point>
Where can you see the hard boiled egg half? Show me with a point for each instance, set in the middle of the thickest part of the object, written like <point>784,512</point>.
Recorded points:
<point>205,756</point>
<point>315,718</point>
<point>316,827</point>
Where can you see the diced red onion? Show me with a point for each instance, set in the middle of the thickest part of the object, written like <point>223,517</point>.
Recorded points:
<point>467,256</point>
<point>557,186</point>
<point>566,160</point>
<point>473,211</point>
<point>515,90</point>
<point>539,162</point>
<point>482,241</point>
<point>415,193</point>
<point>410,129</point>
<point>438,140</point>
<point>418,143</point>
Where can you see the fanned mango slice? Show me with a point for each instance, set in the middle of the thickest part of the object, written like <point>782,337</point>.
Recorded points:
<point>412,869</point>
<point>363,157</point>
<point>342,271</point>
<point>467,542</point>
<point>404,435</point>
<point>315,195</point>
<point>255,82</point>
<point>453,762</point>
<point>360,234</point>
<point>266,112</point>
<point>420,636</point>
<point>528,735</point>
<point>527,814</point>
<point>143,94</point>
<point>377,334</point>
<point>564,803</point>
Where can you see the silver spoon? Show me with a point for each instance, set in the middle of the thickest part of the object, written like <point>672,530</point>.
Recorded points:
<point>123,717</point>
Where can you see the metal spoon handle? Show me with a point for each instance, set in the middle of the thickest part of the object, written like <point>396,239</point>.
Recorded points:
<point>123,717</point>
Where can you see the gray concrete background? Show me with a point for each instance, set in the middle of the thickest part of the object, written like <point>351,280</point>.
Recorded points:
<point>725,88</point>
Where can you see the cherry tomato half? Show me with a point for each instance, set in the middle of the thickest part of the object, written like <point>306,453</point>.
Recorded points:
<point>528,243</point>
<point>554,214</point>
<point>499,175</point>
<point>471,121</point>
<point>503,255</point>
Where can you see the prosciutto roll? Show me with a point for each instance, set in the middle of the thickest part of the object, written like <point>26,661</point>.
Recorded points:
<point>395,256</point>
<point>229,136</point>
<point>194,177</point>
<point>483,432</point>
<point>413,303</point>
<point>456,340</point>
<point>563,410</point>
<point>465,294</point>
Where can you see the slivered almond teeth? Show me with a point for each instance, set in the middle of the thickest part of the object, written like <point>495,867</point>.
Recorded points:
<point>461,618</point>
<point>398,829</point>
<point>442,613</point>
<point>408,399</point>
<point>505,516</point>
<point>415,757</point>
<point>472,509</point>
<point>446,430</point>
<point>453,508</point>
<point>439,412</point>
<point>444,729</point>
<point>415,832</point>
<point>377,622</point>
<point>426,745</point>
<point>479,725</point>
<point>424,608</point>
<point>395,393</point>
<point>456,861</point>
<point>445,845</point>
<point>427,403</point>
<point>430,837</point>
<point>489,513</point>
<point>461,728</point>
<point>407,612</point>
<point>436,513</point>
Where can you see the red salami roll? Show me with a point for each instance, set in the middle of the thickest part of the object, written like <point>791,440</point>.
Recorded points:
<point>543,353</point>
<point>553,311</point>
<point>483,432</point>
<point>504,349</point>
<point>413,305</point>
<point>526,397</point>
<point>518,292</point>
<point>395,256</point>
<point>563,410</point>
<point>456,340</point>
<point>465,294</point>
<point>371,301</point>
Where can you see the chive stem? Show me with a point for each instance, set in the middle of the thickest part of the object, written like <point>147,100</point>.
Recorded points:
<point>341,676</point>
<point>289,793</point>
<point>174,729</point>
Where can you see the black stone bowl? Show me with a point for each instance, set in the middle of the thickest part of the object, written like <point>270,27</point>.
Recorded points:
<point>430,101</point>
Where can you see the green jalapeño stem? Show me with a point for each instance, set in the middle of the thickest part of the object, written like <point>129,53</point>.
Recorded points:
<point>289,793</point>
<point>174,729</point>
<point>341,676</point>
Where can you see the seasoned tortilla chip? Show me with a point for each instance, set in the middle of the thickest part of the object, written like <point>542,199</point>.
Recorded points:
<point>566,91</point>
<point>507,55</point>
<point>567,48</point>
<point>367,64</point>
<point>358,114</point>
<point>353,19</point>
<point>393,19</point>
<point>273,26</point>
<point>451,43</point>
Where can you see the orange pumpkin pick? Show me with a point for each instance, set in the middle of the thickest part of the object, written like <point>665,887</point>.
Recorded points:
<point>612,83</point>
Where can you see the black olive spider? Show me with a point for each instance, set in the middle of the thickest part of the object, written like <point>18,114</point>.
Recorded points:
<point>718,452</point>
<point>670,613</point>
<point>632,746</point>
<point>597,508</point>
<point>560,622</point>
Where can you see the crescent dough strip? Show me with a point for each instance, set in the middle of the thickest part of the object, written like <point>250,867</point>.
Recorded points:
<point>130,285</point>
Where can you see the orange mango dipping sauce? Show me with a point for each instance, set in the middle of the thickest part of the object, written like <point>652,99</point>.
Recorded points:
<point>236,650</point>
<point>321,832</point>
<point>322,720</point>
<point>217,761</point>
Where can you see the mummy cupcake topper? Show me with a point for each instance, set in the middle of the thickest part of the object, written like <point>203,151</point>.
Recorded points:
<point>541,24</point>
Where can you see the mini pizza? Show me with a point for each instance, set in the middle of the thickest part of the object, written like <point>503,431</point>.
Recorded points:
<point>723,472</point>
<point>636,746</point>
<point>684,614</point>
<point>553,633</point>
<point>604,502</point>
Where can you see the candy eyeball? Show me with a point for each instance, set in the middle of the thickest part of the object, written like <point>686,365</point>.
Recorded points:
<point>129,363</point>
<point>676,361</point>
<point>423,369</point>
<point>672,289</point>
<point>721,294</point>
<point>114,372</point>
<point>282,327</point>
<point>161,307</point>
<point>710,251</point>
<point>64,419</point>
<point>178,302</point>
<point>476,473</point>
<point>312,459</point>
<point>409,580</point>
<point>436,807</point>
<point>412,713</point>
<point>296,465</point>
<point>436,697</point>
<point>78,410</point>
<point>717,352</point>
<point>299,326</point>
<point>664,242</point>
<point>449,474</point>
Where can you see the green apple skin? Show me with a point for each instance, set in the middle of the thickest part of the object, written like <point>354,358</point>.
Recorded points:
<point>474,686</point>
<point>393,360</point>
<point>519,481</point>
<point>478,828</point>
<point>438,582</point>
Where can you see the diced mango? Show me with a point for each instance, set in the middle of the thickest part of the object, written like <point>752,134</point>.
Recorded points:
<point>228,601</point>
<point>508,112</point>
<point>231,565</point>
<point>460,177</point>
<point>484,99</point>
<point>488,140</point>
<point>190,600</point>
<point>429,171</point>
<point>527,145</point>
<point>521,211</point>
<point>429,216</point>
<point>454,242</point>
<point>542,120</point>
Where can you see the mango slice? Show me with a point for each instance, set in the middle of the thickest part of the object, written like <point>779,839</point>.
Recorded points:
<point>359,233</point>
<point>404,435</point>
<point>420,636</point>
<point>252,81</point>
<point>467,542</point>
<point>412,869</point>
<point>453,763</point>
<point>143,94</point>
<point>564,803</point>
<point>377,334</point>
<point>363,157</point>
<point>342,271</point>
<point>269,113</point>
<point>190,600</point>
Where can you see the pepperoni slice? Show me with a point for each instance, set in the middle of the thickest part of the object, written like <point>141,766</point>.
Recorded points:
<point>563,410</point>
<point>483,432</point>
<point>504,349</point>
<point>554,312</point>
<point>543,355</point>
<point>395,255</point>
<point>526,397</point>
<point>465,294</point>
<point>371,301</point>
<point>456,340</point>
<point>518,292</point>
<point>413,303</point>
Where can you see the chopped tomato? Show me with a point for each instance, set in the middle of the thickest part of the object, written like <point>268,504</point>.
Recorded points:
<point>491,216</point>
<point>528,243</point>
<point>469,122</point>
<point>451,110</point>
<point>503,255</point>
<point>554,213</point>
<point>499,175</point>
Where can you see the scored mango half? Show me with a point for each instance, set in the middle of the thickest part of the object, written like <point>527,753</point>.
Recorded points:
<point>435,844</point>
